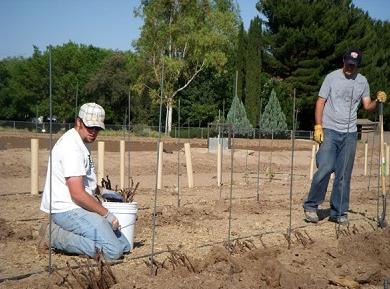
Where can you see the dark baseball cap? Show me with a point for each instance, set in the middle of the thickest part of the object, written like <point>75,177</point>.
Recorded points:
<point>353,57</point>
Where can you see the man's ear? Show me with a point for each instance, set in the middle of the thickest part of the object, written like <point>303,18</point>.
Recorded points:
<point>78,122</point>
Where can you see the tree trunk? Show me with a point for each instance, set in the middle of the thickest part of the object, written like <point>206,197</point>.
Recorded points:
<point>169,118</point>
<point>166,119</point>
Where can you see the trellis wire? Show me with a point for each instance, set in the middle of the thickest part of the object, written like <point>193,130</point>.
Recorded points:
<point>178,156</point>
<point>246,159</point>
<point>129,131</point>
<point>50,157</point>
<point>231,168</point>
<point>258,155</point>
<point>231,185</point>
<point>220,141</point>
<point>294,115</point>
<point>223,135</point>
<point>157,164</point>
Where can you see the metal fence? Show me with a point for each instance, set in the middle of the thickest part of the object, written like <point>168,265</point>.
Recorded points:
<point>153,131</point>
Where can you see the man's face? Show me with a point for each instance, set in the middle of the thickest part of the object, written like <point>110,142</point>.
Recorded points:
<point>349,69</point>
<point>87,134</point>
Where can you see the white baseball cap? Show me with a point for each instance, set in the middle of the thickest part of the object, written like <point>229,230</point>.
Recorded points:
<point>92,114</point>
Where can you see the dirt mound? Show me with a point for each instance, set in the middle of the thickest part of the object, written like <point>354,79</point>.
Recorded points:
<point>257,268</point>
<point>355,261</point>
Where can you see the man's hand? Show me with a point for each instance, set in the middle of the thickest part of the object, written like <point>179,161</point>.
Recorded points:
<point>318,133</point>
<point>112,220</point>
<point>381,96</point>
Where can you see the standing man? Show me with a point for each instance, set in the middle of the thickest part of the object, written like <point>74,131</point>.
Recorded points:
<point>81,225</point>
<point>336,132</point>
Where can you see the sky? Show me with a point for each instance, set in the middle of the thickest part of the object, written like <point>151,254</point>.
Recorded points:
<point>101,23</point>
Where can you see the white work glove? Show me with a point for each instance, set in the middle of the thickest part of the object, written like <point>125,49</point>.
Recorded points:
<point>110,217</point>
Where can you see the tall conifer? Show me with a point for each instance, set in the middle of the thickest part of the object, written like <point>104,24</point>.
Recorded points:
<point>253,70</point>
<point>240,62</point>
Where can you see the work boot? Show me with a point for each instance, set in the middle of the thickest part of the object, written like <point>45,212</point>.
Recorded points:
<point>342,220</point>
<point>311,217</point>
<point>43,238</point>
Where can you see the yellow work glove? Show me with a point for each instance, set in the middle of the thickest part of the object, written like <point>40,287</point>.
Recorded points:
<point>381,96</point>
<point>318,133</point>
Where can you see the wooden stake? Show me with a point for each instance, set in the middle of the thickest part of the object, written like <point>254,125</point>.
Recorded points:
<point>365,158</point>
<point>34,166</point>
<point>122,164</point>
<point>160,165</point>
<point>219,164</point>
<point>313,155</point>
<point>187,150</point>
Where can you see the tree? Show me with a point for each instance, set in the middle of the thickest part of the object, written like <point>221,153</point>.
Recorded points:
<point>110,86</point>
<point>253,70</point>
<point>237,117</point>
<point>178,41</point>
<point>202,100</point>
<point>241,62</point>
<point>273,118</point>
<point>307,39</point>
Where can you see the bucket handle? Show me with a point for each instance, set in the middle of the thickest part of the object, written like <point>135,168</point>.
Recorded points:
<point>122,227</point>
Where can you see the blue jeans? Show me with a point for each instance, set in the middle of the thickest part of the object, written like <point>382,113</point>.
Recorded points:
<point>82,232</point>
<point>336,154</point>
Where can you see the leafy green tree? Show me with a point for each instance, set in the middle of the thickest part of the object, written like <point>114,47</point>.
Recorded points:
<point>110,86</point>
<point>180,39</point>
<point>253,70</point>
<point>72,67</point>
<point>202,100</point>
<point>273,118</point>
<point>18,90</point>
<point>26,87</point>
<point>237,117</point>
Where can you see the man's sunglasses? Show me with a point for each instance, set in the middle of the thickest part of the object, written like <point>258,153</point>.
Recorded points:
<point>96,128</point>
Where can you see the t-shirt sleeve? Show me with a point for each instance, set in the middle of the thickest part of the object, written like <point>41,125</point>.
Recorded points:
<point>73,164</point>
<point>366,90</point>
<point>325,88</point>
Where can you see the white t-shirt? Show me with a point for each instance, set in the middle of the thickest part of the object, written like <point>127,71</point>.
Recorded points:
<point>71,157</point>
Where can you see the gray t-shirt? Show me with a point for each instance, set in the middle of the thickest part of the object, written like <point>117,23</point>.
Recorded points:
<point>339,91</point>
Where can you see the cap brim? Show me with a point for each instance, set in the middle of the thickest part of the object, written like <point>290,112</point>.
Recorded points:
<point>351,62</point>
<point>94,124</point>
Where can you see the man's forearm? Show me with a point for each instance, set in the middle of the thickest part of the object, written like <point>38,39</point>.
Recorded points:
<point>319,110</point>
<point>88,202</point>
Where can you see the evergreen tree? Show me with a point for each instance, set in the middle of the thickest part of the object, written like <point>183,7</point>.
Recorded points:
<point>237,117</point>
<point>273,118</point>
<point>240,62</point>
<point>253,70</point>
<point>307,39</point>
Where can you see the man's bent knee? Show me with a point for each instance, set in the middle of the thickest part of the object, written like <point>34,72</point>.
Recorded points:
<point>112,251</point>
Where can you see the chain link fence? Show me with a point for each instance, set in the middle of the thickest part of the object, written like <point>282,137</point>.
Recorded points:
<point>144,130</point>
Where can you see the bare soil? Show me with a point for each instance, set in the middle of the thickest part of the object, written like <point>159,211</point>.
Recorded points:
<point>271,246</point>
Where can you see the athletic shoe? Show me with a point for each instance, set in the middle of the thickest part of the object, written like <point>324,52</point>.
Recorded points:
<point>342,220</point>
<point>311,217</point>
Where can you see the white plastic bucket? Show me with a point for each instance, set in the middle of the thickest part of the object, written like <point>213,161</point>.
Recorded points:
<point>126,214</point>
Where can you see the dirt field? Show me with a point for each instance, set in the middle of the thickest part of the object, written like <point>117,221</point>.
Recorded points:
<point>259,255</point>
